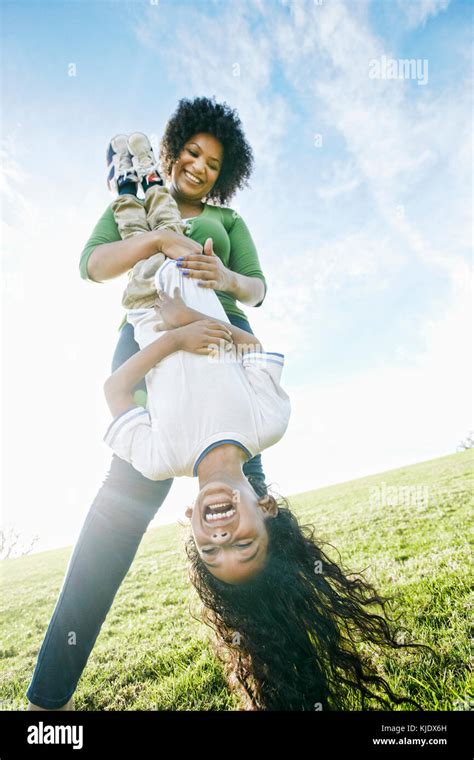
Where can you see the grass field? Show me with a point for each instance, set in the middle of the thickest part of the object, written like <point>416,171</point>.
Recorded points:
<point>407,529</point>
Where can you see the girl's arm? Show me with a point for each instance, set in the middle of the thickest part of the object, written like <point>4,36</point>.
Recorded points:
<point>119,385</point>
<point>172,312</point>
<point>240,337</point>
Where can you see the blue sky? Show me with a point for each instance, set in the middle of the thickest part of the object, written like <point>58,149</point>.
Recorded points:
<point>359,206</point>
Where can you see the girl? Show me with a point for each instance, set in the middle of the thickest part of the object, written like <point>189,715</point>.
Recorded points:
<point>209,411</point>
<point>287,619</point>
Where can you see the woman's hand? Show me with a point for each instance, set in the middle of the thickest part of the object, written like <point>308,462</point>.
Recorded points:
<point>171,311</point>
<point>202,337</point>
<point>207,268</point>
<point>174,244</point>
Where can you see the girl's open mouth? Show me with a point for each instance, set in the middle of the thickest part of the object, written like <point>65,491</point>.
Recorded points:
<point>218,513</point>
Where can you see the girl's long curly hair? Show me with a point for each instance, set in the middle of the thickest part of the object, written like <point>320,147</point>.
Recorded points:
<point>221,121</point>
<point>289,637</point>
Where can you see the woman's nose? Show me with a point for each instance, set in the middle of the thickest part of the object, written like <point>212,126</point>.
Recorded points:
<point>199,168</point>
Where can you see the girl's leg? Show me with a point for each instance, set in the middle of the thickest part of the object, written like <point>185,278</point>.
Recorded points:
<point>131,218</point>
<point>130,215</point>
<point>162,209</point>
<point>252,469</point>
<point>104,551</point>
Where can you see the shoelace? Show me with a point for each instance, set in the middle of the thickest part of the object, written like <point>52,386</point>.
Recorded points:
<point>124,164</point>
<point>146,163</point>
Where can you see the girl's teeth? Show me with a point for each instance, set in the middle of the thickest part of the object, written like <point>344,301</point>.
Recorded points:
<point>220,515</point>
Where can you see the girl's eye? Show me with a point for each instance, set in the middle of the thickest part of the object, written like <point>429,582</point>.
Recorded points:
<point>193,153</point>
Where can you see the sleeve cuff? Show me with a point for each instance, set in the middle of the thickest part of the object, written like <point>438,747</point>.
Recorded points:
<point>266,356</point>
<point>264,293</point>
<point>122,420</point>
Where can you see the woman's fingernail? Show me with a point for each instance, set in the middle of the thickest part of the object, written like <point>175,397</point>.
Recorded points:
<point>179,263</point>
<point>185,271</point>
<point>180,258</point>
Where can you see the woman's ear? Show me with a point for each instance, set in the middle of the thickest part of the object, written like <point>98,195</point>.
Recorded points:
<point>189,512</point>
<point>269,504</point>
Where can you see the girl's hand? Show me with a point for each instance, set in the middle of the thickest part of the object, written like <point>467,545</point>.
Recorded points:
<point>203,337</point>
<point>207,268</point>
<point>174,244</point>
<point>171,311</point>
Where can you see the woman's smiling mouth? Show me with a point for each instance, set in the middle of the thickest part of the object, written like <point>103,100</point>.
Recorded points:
<point>192,178</point>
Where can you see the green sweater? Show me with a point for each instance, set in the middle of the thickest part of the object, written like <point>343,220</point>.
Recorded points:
<point>232,243</point>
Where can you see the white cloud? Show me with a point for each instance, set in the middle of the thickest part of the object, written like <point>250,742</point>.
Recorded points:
<point>417,12</point>
<point>376,420</point>
<point>302,285</point>
<point>395,142</point>
<point>343,177</point>
<point>222,57</point>
<point>384,417</point>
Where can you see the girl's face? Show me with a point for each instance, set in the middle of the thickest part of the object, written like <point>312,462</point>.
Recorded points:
<point>234,547</point>
<point>195,172</point>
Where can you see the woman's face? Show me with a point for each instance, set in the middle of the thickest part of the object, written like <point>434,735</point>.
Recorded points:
<point>233,548</point>
<point>195,172</point>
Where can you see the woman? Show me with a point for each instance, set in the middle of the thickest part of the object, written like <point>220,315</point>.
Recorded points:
<point>287,628</point>
<point>205,155</point>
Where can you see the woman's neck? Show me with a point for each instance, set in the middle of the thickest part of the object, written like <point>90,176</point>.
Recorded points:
<point>186,207</point>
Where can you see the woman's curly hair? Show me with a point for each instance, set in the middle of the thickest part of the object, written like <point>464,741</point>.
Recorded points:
<point>218,119</point>
<point>290,638</point>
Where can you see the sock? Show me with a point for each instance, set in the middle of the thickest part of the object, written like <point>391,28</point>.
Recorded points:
<point>127,187</point>
<point>151,179</point>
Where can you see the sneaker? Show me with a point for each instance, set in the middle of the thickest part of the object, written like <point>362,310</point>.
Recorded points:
<point>143,158</point>
<point>119,163</point>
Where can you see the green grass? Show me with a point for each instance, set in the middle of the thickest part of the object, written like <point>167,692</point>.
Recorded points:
<point>152,655</point>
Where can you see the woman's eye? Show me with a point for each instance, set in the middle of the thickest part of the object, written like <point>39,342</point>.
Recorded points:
<point>193,153</point>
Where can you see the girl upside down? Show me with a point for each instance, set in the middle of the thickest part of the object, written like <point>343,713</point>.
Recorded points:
<point>288,620</point>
